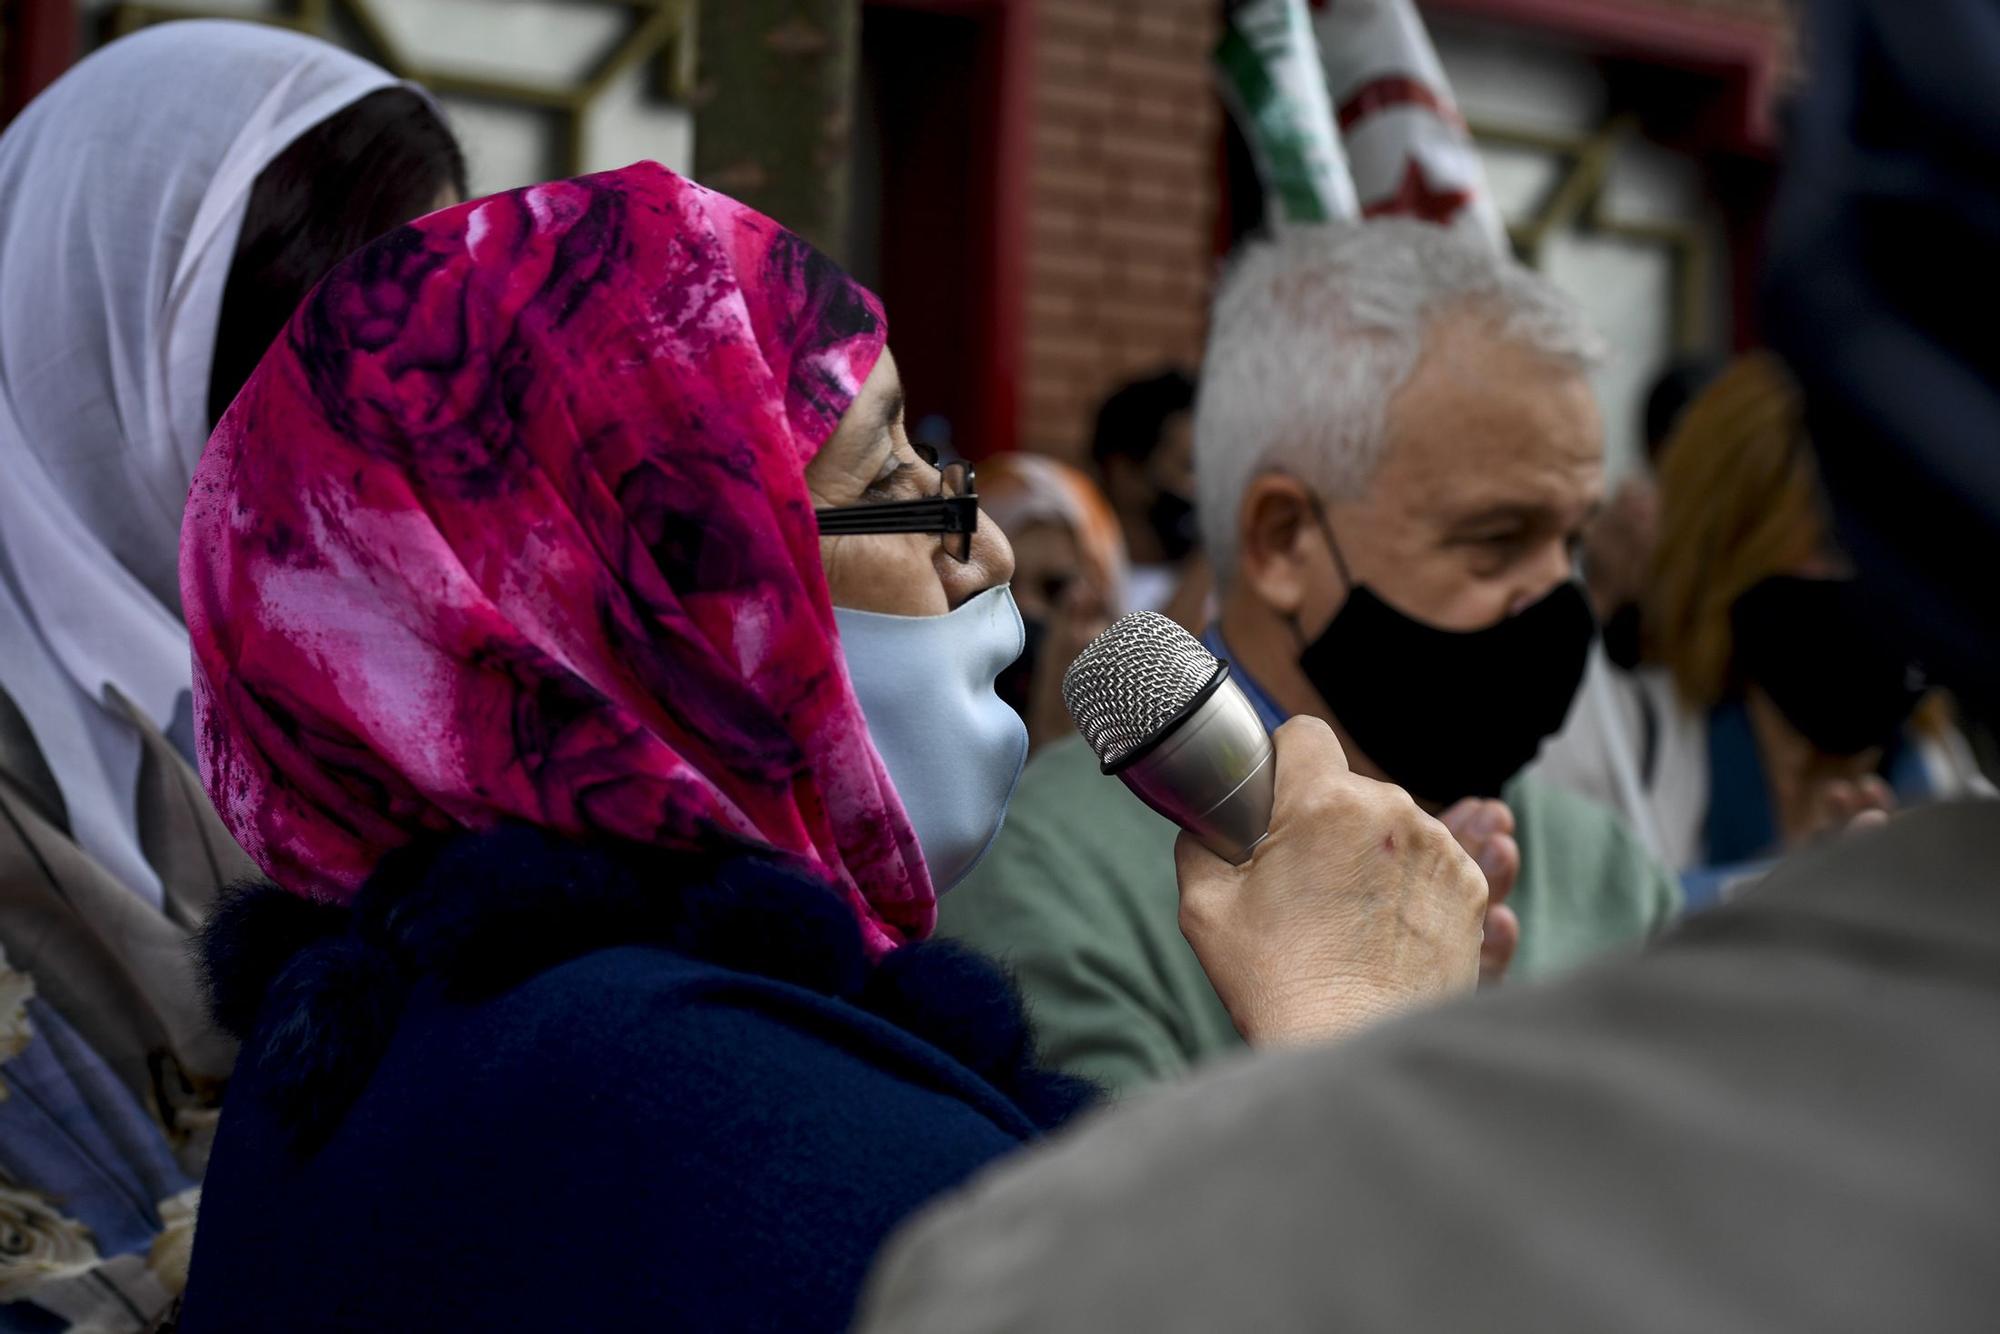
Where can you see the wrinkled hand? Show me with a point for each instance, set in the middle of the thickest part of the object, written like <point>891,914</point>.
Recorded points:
<point>1358,904</point>
<point>1846,805</point>
<point>1485,829</point>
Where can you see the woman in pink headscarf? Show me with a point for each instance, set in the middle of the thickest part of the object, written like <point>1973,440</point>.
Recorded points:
<point>577,1000</point>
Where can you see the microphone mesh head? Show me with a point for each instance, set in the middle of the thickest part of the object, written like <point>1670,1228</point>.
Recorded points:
<point>1132,680</point>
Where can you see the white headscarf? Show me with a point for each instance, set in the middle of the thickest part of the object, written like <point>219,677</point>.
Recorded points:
<point>122,191</point>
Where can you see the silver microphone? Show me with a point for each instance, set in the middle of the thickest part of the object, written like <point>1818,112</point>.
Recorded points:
<point>1161,713</point>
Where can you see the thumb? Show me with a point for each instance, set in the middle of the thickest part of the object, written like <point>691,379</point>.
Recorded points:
<point>1308,752</point>
<point>1207,881</point>
<point>1195,863</point>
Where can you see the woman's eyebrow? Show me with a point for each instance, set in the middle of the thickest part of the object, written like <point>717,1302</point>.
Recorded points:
<point>892,411</point>
<point>879,445</point>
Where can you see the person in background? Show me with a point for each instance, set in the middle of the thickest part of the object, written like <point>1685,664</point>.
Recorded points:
<point>1773,716</point>
<point>1397,449</point>
<point>1069,576</point>
<point>163,207</point>
<point>1618,547</point>
<point>605,682</point>
<point>1617,560</point>
<point>1142,448</point>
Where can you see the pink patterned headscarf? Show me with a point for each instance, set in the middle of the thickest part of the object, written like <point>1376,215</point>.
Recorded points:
<point>512,524</point>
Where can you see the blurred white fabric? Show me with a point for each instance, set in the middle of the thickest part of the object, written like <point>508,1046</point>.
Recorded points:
<point>122,191</point>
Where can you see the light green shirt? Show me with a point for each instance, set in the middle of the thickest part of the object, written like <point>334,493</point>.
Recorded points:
<point>1078,897</point>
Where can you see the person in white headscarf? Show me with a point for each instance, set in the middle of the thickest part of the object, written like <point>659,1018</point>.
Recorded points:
<point>163,208</point>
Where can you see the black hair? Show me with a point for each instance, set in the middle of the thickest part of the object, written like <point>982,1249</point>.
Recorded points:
<point>1132,420</point>
<point>1679,385</point>
<point>361,172</point>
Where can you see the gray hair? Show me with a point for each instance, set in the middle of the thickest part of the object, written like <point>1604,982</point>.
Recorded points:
<point>1315,331</point>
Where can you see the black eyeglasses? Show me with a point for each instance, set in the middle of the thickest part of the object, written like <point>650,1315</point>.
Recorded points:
<point>952,514</point>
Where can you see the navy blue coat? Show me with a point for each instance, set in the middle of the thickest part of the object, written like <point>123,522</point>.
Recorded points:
<point>528,1085</point>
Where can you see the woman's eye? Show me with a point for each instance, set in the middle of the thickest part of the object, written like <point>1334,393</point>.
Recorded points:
<point>895,485</point>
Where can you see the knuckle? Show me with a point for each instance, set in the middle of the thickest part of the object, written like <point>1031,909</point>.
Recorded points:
<point>1402,808</point>
<point>1326,799</point>
<point>1326,796</point>
<point>1197,916</point>
<point>1470,884</point>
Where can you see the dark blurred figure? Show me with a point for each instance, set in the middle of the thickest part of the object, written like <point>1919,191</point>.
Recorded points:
<point>1069,577</point>
<point>1143,448</point>
<point>1781,1117</point>
<point>1618,551</point>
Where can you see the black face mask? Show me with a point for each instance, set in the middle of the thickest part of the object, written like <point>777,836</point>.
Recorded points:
<point>1818,650</point>
<point>1171,517</point>
<point>1448,713</point>
<point>1624,643</point>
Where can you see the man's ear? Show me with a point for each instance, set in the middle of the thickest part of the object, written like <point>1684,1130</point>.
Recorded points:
<point>1281,552</point>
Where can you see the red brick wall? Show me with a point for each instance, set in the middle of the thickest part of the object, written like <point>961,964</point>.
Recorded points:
<point>1125,186</point>
<point>1122,215</point>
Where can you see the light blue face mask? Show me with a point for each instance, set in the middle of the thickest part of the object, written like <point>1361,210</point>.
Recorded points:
<point>953,750</point>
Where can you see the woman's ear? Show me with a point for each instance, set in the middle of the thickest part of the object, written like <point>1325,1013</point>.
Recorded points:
<point>1280,553</point>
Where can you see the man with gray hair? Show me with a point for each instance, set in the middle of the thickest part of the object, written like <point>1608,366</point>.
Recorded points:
<point>1396,450</point>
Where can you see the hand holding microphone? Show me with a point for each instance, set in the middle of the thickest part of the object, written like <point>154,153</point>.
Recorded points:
<point>1356,906</point>
<point>1317,900</point>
